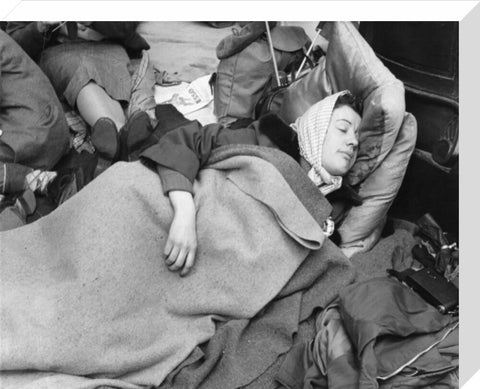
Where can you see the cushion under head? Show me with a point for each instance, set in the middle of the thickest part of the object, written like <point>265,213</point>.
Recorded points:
<point>350,63</point>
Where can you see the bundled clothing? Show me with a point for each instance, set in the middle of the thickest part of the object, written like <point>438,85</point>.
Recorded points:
<point>33,129</point>
<point>378,334</point>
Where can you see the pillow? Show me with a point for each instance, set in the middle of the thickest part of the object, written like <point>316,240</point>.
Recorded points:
<point>350,63</point>
<point>363,224</point>
<point>385,144</point>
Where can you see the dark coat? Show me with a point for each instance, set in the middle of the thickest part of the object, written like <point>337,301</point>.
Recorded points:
<point>34,131</point>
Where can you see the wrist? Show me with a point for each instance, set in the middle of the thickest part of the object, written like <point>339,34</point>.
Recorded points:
<point>182,201</point>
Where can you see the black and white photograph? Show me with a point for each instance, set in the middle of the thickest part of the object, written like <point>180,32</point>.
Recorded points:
<point>202,203</point>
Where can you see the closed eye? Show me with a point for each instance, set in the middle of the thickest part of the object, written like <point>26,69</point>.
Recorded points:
<point>343,125</point>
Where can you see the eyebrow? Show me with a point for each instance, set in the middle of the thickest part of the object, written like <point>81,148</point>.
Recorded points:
<point>346,120</point>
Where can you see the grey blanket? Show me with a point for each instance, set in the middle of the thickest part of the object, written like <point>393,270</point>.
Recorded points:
<point>86,299</point>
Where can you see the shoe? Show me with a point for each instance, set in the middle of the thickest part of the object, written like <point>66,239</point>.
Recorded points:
<point>104,137</point>
<point>135,136</point>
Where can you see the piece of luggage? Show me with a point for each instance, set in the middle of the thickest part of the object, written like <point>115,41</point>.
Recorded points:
<point>246,68</point>
<point>424,55</point>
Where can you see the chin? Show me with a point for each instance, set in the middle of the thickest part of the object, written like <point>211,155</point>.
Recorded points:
<point>338,166</point>
<point>340,170</point>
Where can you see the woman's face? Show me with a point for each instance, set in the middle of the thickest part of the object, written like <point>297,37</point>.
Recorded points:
<point>341,141</point>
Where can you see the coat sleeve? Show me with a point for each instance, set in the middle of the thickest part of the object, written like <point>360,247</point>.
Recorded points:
<point>182,152</point>
<point>28,37</point>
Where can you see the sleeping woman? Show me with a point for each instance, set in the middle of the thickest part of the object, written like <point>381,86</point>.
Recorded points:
<point>91,294</point>
<point>85,294</point>
<point>324,141</point>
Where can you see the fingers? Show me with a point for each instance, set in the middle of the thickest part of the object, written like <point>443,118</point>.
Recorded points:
<point>188,263</point>
<point>177,257</point>
<point>179,261</point>
<point>172,256</point>
<point>168,248</point>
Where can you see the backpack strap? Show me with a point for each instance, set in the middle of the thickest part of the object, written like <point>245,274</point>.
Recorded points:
<point>272,53</point>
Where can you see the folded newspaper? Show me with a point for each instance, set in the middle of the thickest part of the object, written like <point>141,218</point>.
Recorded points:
<point>194,100</point>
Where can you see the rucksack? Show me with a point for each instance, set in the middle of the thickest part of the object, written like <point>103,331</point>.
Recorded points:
<point>246,67</point>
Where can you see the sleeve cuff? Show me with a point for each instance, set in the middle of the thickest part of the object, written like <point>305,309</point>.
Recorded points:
<point>172,180</point>
<point>188,165</point>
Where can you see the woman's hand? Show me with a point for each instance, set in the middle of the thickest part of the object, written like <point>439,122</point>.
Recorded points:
<point>181,245</point>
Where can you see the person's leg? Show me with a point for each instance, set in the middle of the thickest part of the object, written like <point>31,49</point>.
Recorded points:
<point>94,103</point>
<point>105,116</point>
<point>93,78</point>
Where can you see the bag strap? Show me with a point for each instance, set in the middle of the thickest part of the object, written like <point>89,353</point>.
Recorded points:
<point>274,60</point>
<point>272,52</point>
<point>308,53</point>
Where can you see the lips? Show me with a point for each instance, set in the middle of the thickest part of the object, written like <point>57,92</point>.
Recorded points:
<point>348,154</point>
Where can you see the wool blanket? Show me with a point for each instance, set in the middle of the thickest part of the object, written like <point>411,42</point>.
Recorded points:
<point>86,299</point>
<point>247,353</point>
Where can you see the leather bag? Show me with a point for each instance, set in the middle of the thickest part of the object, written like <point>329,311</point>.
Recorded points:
<point>243,77</point>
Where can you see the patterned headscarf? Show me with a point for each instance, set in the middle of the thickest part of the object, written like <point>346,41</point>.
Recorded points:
<point>312,128</point>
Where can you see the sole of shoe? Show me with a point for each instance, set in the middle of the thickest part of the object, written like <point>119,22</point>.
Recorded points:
<point>104,137</point>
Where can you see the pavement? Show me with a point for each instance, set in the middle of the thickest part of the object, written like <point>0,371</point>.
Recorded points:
<point>186,50</point>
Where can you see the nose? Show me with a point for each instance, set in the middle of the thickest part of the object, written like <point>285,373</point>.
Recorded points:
<point>352,139</point>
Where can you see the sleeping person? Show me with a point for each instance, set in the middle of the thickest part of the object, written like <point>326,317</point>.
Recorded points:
<point>91,293</point>
<point>101,303</point>
<point>324,141</point>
